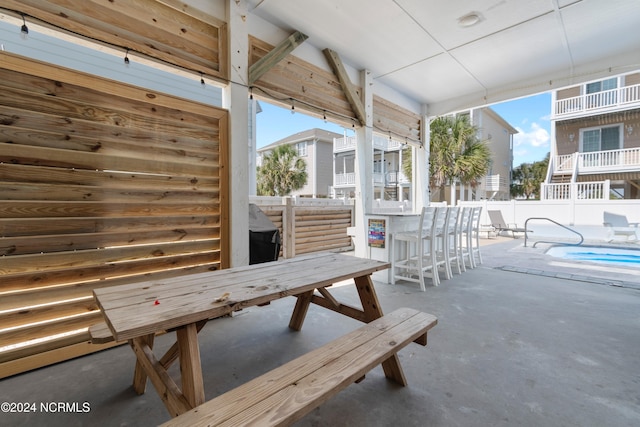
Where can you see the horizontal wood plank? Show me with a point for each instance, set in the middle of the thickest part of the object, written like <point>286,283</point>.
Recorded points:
<point>45,156</point>
<point>15,227</point>
<point>53,209</point>
<point>23,245</point>
<point>10,172</point>
<point>25,298</point>
<point>39,281</point>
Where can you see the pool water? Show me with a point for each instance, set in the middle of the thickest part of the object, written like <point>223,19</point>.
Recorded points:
<point>600,254</point>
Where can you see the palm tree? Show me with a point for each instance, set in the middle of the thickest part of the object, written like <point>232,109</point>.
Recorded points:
<point>456,153</point>
<point>282,171</point>
<point>527,178</point>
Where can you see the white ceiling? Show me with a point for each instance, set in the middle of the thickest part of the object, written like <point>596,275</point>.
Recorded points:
<point>519,47</point>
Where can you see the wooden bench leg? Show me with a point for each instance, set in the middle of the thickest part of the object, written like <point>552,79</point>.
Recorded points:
<point>373,311</point>
<point>139,374</point>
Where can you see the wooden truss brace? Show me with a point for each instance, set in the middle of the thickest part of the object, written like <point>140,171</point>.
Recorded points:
<point>267,62</point>
<point>349,89</point>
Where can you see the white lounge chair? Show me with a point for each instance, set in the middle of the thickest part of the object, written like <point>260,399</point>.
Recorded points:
<point>500,225</point>
<point>621,227</point>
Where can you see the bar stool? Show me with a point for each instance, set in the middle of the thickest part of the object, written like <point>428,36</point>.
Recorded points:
<point>415,262</point>
<point>451,248</point>
<point>438,243</point>
<point>465,237</point>
<point>475,236</point>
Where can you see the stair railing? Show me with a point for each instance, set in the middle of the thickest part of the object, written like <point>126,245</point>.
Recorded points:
<point>526,223</point>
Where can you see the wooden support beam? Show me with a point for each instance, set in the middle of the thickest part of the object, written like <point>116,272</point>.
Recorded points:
<point>325,293</point>
<point>265,63</point>
<point>349,90</point>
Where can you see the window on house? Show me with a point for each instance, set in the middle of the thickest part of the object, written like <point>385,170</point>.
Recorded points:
<point>377,166</point>
<point>302,149</point>
<point>601,99</point>
<point>601,139</point>
<point>602,85</point>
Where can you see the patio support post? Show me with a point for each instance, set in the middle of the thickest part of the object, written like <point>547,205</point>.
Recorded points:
<point>364,165</point>
<point>235,99</point>
<point>420,167</point>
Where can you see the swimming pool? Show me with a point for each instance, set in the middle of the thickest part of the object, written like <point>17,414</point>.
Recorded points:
<point>600,254</point>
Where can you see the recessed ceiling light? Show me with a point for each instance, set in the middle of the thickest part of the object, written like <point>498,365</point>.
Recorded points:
<point>469,19</point>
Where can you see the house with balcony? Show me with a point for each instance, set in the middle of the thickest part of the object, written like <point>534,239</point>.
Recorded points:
<point>389,181</point>
<point>498,135</point>
<point>315,147</point>
<point>596,129</point>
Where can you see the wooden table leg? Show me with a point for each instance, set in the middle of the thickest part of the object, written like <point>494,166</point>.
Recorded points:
<point>173,353</point>
<point>190,366</point>
<point>372,311</point>
<point>169,392</point>
<point>300,310</point>
<point>139,374</point>
<point>368,298</point>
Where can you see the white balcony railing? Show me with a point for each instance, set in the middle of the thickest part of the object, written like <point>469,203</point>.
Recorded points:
<point>625,160</point>
<point>598,190</point>
<point>348,179</point>
<point>379,142</point>
<point>494,183</point>
<point>397,177</point>
<point>347,143</point>
<point>608,100</point>
<point>564,163</point>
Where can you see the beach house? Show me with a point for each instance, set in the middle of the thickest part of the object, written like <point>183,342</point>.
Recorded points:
<point>596,134</point>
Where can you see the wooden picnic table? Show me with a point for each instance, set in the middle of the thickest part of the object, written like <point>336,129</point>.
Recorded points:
<point>136,312</point>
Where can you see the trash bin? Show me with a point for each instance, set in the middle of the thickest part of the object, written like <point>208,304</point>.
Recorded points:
<point>264,237</point>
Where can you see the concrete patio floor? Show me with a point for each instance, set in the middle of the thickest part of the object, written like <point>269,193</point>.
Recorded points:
<point>521,341</point>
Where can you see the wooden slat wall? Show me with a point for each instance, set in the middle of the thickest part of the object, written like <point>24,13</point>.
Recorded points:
<point>390,117</point>
<point>312,229</point>
<point>166,30</point>
<point>300,80</point>
<point>100,184</point>
<point>322,229</point>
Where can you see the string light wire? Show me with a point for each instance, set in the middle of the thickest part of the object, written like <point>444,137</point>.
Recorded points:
<point>311,107</point>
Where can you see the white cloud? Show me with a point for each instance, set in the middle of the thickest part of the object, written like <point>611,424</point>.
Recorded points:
<point>535,136</point>
<point>530,144</point>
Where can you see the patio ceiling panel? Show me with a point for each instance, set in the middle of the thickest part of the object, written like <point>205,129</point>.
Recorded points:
<point>590,34</point>
<point>534,48</point>
<point>495,16</point>
<point>426,78</point>
<point>338,26</point>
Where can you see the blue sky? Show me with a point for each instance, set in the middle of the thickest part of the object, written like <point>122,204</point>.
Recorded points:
<point>530,116</point>
<point>275,123</point>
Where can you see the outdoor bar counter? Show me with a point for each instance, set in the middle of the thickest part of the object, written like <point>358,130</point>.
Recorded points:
<point>380,228</point>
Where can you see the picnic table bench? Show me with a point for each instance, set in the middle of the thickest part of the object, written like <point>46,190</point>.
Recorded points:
<point>136,312</point>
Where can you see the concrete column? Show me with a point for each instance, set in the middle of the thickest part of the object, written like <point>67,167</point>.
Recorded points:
<point>235,99</point>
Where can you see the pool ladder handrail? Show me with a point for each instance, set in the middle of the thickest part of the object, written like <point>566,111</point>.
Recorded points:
<point>557,223</point>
